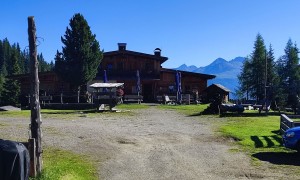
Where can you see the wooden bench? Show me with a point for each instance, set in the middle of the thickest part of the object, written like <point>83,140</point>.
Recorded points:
<point>159,99</point>
<point>257,106</point>
<point>43,99</point>
<point>248,106</point>
<point>133,98</point>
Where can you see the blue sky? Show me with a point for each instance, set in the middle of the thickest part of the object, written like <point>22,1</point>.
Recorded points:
<point>194,32</point>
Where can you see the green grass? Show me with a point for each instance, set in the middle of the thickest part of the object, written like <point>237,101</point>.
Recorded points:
<point>186,109</point>
<point>65,165</point>
<point>254,134</point>
<point>23,113</point>
<point>131,106</point>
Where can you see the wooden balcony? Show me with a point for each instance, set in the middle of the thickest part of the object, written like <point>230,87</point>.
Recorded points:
<point>116,74</point>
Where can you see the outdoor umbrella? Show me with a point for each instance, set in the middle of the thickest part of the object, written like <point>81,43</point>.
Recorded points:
<point>105,80</point>
<point>178,86</point>
<point>138,82</point>
<point>105,77</point>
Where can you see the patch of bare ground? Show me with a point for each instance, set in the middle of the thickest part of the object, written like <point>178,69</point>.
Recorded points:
<point>152,144</point>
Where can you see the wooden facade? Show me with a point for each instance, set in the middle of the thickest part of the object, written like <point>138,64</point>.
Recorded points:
<point>49,83</point>
<point>121,67</point>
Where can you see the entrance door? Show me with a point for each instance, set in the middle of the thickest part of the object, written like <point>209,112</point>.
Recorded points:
<point>147,92</point>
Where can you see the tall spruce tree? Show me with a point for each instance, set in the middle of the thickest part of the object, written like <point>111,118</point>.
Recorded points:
<point>272,78</point>
<point>289,72</point>
<point>253,72</point>
<point>245,79</point>
<point>81,55</point>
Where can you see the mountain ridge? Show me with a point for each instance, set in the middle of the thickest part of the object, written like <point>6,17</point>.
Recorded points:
<point>226,71</point>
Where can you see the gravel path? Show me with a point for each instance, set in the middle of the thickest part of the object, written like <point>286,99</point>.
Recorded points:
<point>152,144</point>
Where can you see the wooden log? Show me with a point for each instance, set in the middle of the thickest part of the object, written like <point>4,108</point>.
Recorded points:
<point>32,149</point>
<point>34,94</point>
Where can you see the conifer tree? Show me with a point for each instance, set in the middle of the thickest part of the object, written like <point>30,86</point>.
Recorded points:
<point>272,79</point>
<point>245,79</point>
<point>43,65</point>
<point>11,87</point>
<point>289,73</point>
<point>80,57</point>
<point>2,63</point>
<point>254,68</point>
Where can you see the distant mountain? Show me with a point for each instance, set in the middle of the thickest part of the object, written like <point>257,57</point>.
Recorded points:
<point>184,67</point>
<point>226,72</point>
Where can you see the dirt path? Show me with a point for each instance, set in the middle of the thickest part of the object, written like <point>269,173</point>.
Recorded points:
<point>153,144</point>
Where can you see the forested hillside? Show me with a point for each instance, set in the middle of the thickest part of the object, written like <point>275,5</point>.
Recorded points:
<point>13,56</point>
<point>14,60</point>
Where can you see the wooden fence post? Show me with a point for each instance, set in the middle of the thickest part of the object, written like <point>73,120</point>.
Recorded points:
<point>31,149</point>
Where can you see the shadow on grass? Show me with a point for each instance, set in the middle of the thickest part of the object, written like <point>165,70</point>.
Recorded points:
<point>276,132</point>
<point>258,141</point>
<point>279,158</point>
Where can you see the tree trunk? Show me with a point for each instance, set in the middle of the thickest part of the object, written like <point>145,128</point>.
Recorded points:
<point>34,94</point>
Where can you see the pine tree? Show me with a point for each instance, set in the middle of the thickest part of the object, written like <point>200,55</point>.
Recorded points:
<point>245,79</point>
<point>15,63</point>
<point>289,71</point>
<point>51,66</point>
<point>43,65</point>
<point>2,63</point>
<point>253,73</point>
<point>81,55</point>
<point>2,80</point>
<point>11,88</point>
<point>273,92</point>
<point>6,50</point>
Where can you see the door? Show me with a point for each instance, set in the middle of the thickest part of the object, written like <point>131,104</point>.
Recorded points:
<point>148,92</point>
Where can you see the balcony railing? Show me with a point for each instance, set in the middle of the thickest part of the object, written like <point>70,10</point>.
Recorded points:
<point>129,74</point>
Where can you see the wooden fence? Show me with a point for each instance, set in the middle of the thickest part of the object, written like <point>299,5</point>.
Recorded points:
<point>286,122</point>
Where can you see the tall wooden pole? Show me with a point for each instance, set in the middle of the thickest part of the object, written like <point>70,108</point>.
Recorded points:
<point>34,94</point>
<point>266,76</point>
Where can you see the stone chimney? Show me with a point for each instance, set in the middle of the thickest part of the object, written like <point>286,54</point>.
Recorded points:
<point>122,46</point>
<point>157,52</point>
